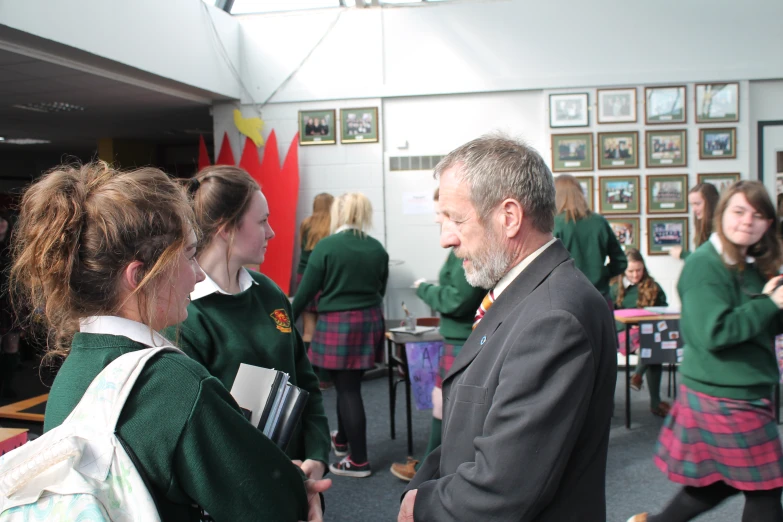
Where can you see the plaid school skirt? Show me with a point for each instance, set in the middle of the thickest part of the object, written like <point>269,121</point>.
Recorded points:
<point>448,353</point>
<point>312,306</point>
<point>348,340</point>
<point>709,439</point>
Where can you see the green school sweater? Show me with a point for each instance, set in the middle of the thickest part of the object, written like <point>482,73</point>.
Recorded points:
<point>189,436</point>
<point>350,269</point>
<point>728,335</point>
<point>454,298</point>
<point>631,297</point>
<point>589,241</point>
<point>255,327</point>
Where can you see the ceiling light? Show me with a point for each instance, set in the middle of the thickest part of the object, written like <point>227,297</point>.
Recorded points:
<point>24,141</point>
<point>2,139</point>
<point>50,107</point>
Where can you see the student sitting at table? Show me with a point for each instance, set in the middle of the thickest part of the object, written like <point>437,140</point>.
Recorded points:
<point>637,289</point>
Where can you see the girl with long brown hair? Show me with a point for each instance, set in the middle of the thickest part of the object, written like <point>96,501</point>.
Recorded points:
<point>703,198</point>
<point>721,436</point>
<point>587,235</point>
<point>637,289</point>
<point>241,316</point>
<point>108,259</point>
<point>313,229</point>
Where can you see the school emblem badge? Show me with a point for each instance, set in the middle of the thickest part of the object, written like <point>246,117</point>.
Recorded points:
<point>282,322</point>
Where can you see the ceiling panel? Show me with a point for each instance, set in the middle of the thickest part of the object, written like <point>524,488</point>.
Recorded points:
<point>111,108</point>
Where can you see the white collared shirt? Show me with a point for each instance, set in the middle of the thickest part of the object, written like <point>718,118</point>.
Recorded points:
<point>343,228</point>
<point>114,325</point>
<point>716,242</point>
<point>208,286</point>
<point>515,271</point>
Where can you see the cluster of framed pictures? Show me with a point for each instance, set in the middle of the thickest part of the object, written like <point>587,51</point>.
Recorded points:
<point>663,233</point>
<point>715,103</point>
<point>620,150</point>
<point>320,127</point>
<point>665,194</point>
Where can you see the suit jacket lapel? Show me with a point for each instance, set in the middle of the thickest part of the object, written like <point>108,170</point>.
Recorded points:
<point>532,276</point>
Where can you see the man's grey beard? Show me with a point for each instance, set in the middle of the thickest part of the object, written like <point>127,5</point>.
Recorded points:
<point>489,267</point>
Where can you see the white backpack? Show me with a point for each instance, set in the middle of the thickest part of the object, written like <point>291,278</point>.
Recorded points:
<point>79,470</point>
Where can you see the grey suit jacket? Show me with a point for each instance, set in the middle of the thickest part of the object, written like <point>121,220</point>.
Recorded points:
<point>527,406</point>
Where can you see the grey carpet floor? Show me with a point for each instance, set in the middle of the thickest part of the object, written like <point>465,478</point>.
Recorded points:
<point>633,483</point>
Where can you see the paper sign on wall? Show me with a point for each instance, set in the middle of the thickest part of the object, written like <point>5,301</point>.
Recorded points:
<point>417,203</point>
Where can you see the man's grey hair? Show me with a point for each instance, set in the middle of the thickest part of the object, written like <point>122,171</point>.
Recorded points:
<point>496,167</point>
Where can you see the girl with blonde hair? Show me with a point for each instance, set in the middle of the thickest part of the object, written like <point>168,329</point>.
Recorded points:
<point>350,269</point>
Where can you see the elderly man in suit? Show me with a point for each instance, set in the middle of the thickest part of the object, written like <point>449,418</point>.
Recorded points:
<point>528,401</point>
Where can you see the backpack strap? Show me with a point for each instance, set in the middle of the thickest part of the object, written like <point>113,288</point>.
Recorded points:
<point>102,403</point>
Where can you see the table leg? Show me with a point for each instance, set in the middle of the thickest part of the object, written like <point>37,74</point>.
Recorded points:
<point>408,411</point>
<point>392,396</point>
<point>627,377</point>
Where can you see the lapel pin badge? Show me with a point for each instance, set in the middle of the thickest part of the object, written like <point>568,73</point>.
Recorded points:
<point>483,340</point>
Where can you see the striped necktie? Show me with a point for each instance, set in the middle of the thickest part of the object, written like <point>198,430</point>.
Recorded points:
<point>482,309</point>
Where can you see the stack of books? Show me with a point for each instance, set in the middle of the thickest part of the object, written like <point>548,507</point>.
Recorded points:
<point>269,401</point>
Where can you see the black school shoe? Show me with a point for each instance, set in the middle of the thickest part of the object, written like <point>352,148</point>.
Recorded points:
<point>341,450</point>
<point>348,468</point>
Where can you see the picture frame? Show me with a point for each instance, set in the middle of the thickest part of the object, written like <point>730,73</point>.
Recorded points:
<point>616,105</point>
<point>359,125</point>
<point>665,233</point>
<point>665,105</point>
<point>718,143</point>
<point>572,152</point>
<point>588,189</point>
<point>618,150</point>
<point>568,110</point>
<point>717,102</point>
<point>626,230</point>
<point>667,148</point>
<point>317,127</point>
<point>720,180</point>
<point>667,194</point>
<point>618,194</point>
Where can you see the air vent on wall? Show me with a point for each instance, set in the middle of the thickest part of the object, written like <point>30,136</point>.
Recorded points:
<point>49,107</point>
<point>413,162</point>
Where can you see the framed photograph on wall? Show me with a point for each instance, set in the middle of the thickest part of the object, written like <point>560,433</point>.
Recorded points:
<point>317,127</point>
<point>568,110</point>
<point>665,233</point>
<point>718,143</point>
<point>626,229</point>
<point>588,189</point>
<point>617,105</point>
<point>664,105</point>
<point>618,150</point>
<point>667,148</point>
<point>359,125</point>
<point>717,102</point>
<point>572,152</point>
<point>721,181</point>
<point>618,194</point>
<point>667,194</point>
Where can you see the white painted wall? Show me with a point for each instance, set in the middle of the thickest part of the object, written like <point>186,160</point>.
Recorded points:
<point>335,169</point>
<point>172,38</point>
<point>510,45</point>
<point>435,125</point>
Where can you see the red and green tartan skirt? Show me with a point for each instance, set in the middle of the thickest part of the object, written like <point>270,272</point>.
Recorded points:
<point>710,439</point>
<point>312,306</point>
<point>448,353</point>
<point>347,340</point>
